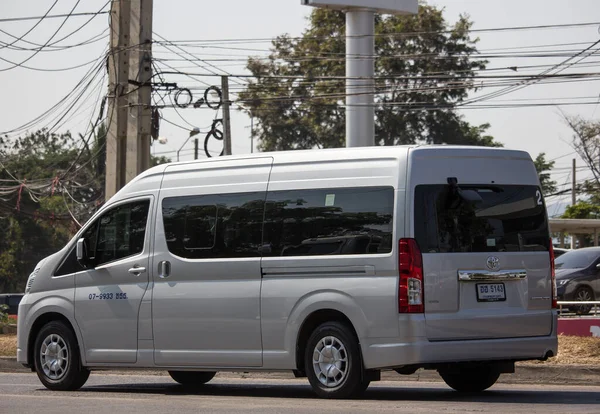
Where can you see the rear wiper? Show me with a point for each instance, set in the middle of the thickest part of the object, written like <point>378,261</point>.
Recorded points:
<point>470,196</point>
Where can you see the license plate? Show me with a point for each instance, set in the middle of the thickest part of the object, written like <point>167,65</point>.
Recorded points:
<point>490,292</point>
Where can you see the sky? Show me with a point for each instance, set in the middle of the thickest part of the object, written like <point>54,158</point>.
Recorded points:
<point>29,93</point>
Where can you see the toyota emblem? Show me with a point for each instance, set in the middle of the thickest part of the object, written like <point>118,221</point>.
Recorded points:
<point>493,263</point>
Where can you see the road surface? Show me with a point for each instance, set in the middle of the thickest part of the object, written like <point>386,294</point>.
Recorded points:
<point>108,393</point>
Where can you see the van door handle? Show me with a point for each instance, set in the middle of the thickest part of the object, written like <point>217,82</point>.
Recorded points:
<point>137,270</point>
<point>164,269</point>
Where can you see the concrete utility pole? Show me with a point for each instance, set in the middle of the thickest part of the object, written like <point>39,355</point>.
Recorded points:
<point>226,117</point>
<point>118,73</point>
<point>130,112</point>
<point>360,58</point>
<point>139,121</point>
<point>573,194</point>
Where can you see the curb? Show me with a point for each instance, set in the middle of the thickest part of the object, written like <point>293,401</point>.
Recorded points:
<point>524,374</point>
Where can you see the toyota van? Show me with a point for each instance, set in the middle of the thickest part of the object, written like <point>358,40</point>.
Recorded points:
<point>334,264</point>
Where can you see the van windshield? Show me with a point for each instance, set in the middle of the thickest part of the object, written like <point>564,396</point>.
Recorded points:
<point>509,218</point>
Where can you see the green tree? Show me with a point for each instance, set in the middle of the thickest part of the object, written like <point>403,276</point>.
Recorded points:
<point>582,210</point>
<point>543,167</point>
<point>299,93</point>
<point>49,184</point>
<point>41,174</point>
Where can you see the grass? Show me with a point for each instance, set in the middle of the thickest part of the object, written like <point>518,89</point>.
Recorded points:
<point>8,345</point>
<point>572,350</point>
<point>575,350</point>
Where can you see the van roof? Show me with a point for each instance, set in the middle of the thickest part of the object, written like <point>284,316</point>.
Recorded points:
<point>282,157</point>
<point>338,154</point>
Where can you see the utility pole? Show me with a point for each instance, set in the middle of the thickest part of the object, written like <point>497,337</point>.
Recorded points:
<point>118,73</point>
<point>139,121</point>
<point>226,118</point>
<point>130,112</point>
<point>196,148</point>
<point>573,194</point>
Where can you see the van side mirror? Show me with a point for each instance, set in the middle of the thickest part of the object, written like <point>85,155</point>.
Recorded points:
<point>82,254</point>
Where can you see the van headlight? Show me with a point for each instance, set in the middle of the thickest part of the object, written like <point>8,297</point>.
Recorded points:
<point>563,282</point>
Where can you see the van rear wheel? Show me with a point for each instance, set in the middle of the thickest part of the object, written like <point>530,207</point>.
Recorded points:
<point>56,358</point>
<point>333,362</point>
<point>470,380</point>
<point>192,378</point>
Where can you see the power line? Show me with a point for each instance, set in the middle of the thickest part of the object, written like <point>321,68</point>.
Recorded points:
<point>54,16</point>
<point>49,40</point>
<point>405,34</point>
<point>33,27</point>
<point>532,81</point>
<point>52,46</point>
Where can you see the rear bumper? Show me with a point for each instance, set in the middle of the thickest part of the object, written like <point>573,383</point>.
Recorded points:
<point>419,351</point>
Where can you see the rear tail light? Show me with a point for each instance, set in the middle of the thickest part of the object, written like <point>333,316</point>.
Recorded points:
<point>410,286</point>
<point>553,277</point>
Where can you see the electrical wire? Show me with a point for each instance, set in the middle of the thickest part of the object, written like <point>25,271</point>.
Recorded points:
<point>404,34</point>
<point>55,16</point>
<point>33,27</point>
<point>15,65</point>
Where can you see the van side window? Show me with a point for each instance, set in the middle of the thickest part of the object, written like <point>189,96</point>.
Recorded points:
<point>121,232</point>
<point>118,233</point>
<point>214,226</point>
<point>333,221</point>
<point>509,218</point>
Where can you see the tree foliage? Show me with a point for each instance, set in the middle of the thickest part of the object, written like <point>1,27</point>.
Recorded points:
<point>298,97</point>
<point>586,142</point>
<point>582,210</point>
<point>49,185</point>
<point>543,167</point>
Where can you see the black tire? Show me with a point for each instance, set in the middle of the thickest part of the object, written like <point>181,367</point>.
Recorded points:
<point>583,294</point>
<point>470,380</point>
<point>57,359</point>
<point>192,378</point>
<point>348,379</point>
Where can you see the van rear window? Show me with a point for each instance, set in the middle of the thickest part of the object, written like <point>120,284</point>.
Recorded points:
<point>508,218</point>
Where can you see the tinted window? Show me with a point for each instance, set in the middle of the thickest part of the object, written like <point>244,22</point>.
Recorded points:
<point>329,222</point>
<point>214,226</point>
<point>508,219</point>
<point>121,232</point>
<point>577,259</point>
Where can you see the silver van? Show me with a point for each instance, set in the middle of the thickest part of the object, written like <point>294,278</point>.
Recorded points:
<point>334,264</point>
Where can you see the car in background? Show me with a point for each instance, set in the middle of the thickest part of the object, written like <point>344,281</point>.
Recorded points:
<point>559,251</point>
<point>12,300</point>
<point>578,277</point>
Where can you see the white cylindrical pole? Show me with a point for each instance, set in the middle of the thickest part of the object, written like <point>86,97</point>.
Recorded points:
<point>360,85</point>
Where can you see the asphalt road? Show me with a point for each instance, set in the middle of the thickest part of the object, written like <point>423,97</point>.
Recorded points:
<point>22,393</point>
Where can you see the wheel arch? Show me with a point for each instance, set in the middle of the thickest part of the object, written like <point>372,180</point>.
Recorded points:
<point>310,323</point>
<point>40,321</point>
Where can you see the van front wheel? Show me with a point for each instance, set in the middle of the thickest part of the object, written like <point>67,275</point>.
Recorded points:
<point>333,364</point>
<point>57,360</point>
<point>470,380</point>
<point>192,378</point>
